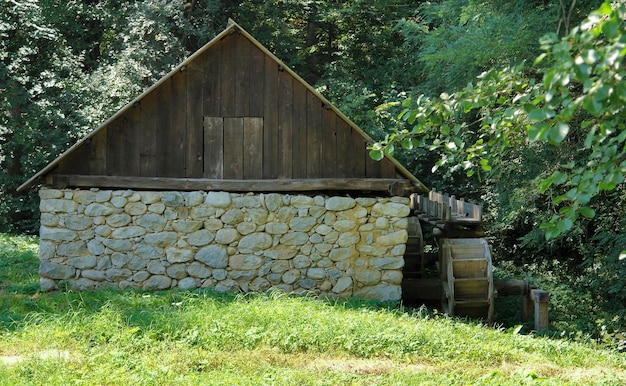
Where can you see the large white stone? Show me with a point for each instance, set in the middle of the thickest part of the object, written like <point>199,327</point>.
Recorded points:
<point>316,273</point>
<point>232,216</point>
<point>172,199</point>
<point>255,242</point>
<point>348,239</point>
<point>301,201</point>
<point>188,283</point>
<point>118,245</point>
<point>176,255</point>
<point>246,227</point>
<point>294,238</point>
<point>302,224</point>
<point>280,252</point>
<point>47,284</point>
<point>199,270</point>
<point>98,210</point>
<point>218,199</point>
<point>72,249</point>
<point>247,202</point>
<point>345,225</point>
<point>55,205</point>
<point>56,271</point>
<point>340,254</point>
<point>157,282</point>
<point>56,234</point>
<point>45,193</point>
<point>78,223</point>
<point>149,251</point>
<point>392,277</point>
<point>391,209</point>
<point>49,219</point>
<point>245,262</point>
<point>260,285</point>
<point>176,271</point>
<point>155,267</point>
<point>342,285</point>
<point>387,262</point>
<point>83,262</point>
<point>384,292</point>
<point>186,226</point>
<point>368,276</point>
<point>128,232</point>
<point>93,274</point>
<point>200,238</point>
<point>161,239</point>
<point>276,228</point>
<point>214,256</point>
<point>340,203</point>
<point>194,199</point>
<point>152,222</point>
<point>227,236</point>
<point>47,250</point>
<point>273,201</point>
<point>393,238</point>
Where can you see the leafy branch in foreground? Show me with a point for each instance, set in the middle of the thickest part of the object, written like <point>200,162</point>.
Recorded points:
<point>579,102</point>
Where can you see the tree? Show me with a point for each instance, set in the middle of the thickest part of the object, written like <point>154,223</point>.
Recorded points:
<point>576,100</point>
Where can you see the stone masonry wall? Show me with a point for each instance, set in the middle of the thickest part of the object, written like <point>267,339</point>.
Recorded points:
<point>332,246</point>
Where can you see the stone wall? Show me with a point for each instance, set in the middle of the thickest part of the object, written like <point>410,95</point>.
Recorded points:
<point>334,246</point>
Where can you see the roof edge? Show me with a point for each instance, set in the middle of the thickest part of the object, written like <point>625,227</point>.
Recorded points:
<point>31,181</point>
<point>231,26</point>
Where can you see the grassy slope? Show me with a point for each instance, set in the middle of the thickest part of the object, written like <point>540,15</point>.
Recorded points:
<point>172,337</point>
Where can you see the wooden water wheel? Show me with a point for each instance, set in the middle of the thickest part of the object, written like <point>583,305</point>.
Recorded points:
<point>467,278</point>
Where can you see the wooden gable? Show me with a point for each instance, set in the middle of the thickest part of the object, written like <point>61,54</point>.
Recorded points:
<point>231,117</point>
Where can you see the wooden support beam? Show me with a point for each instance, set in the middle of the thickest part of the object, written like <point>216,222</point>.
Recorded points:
<point>541,299</point>
<point>537,301</point>
<point>391,186</point>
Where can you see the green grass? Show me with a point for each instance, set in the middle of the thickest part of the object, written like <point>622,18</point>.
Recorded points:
<point>172,337</point>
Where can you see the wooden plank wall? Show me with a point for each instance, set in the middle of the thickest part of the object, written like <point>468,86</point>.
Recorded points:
<point>231,113</point>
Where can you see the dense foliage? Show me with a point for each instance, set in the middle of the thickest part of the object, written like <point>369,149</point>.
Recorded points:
<point>534,141</point>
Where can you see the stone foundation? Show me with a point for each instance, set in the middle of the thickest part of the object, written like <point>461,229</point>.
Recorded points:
<point>332,246</point>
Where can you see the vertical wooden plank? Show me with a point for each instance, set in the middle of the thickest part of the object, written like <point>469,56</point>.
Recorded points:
<point>77,162</point>
<point>211,84</point>
<point>233,148</point>
<point>285,125</point>
<point>97,158</point>
<point>313,136</point>
<point>388,169</point>
<point>329,143</point>
<point>147,141</point>
<point>270,122</point>
<point>194,118</point>
<point>242,76</point>
<point>344,149</point>
<point>252,148</point>
<point>213,147</point>
<point>130,140</point>
<point>227,75</point>
<point>162,122</point>
<point>257,81</point>
<point>114,148</point>
<point>299,133</point>
<point>171,126</point>
<point>358,154</point>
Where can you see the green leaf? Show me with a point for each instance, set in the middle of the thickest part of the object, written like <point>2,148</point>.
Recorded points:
<point>559,178</point>
<point>610,28</point>
<point>587,212</point>
<point>558,133</point>
<point>564,225</point>
<point>376,155</point>
<point>538,115</point>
